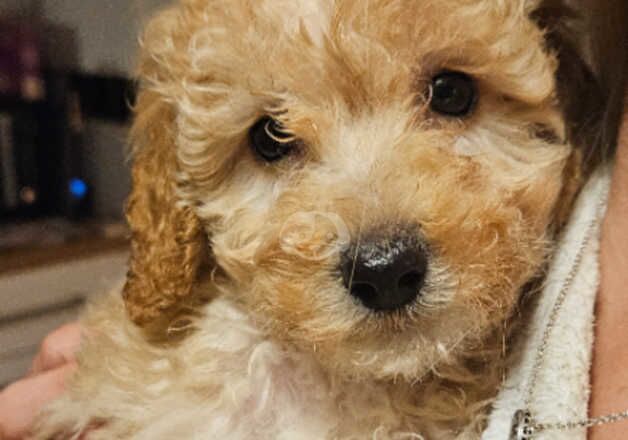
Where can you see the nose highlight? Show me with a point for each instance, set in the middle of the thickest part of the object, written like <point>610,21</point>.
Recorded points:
<point>385,274</point>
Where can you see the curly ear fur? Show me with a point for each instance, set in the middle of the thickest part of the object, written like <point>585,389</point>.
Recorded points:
<point>579,93</point>
<point>168,242</point>
<point>609,25</point>
<point>569,34</point>
<point>590,39</point>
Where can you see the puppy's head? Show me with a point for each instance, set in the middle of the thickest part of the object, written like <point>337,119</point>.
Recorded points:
<point>374,181</point>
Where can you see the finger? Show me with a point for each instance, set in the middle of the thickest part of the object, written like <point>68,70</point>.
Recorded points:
<point>57,349</point>
<point>21,402</point>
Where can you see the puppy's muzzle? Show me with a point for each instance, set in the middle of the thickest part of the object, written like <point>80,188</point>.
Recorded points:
<point>385,272</point>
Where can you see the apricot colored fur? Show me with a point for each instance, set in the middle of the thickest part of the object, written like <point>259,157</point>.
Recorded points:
<point>280,349</point>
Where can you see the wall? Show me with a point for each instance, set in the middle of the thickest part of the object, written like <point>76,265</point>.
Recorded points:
<point>106,30</point>
<point>20,7</point>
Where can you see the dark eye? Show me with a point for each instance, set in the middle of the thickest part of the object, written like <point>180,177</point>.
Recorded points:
<point>453,94</point>
<point>269,141</point>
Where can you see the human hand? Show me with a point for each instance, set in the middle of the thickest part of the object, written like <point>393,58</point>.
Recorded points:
<point>21,402</point>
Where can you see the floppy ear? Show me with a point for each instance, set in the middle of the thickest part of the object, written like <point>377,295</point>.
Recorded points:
<point>168,247</point>
<point>609,43</point>
<point>568,32</point>
<point>590,38</point>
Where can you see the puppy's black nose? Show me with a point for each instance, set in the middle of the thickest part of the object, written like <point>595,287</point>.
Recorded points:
<point>385,274</point>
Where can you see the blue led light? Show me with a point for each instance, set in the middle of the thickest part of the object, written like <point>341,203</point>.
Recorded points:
<point>78,188</point>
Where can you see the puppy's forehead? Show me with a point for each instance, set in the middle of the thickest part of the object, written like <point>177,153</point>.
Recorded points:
<point>358,51</point>
<point>317,16</point>
<point>400,39</point>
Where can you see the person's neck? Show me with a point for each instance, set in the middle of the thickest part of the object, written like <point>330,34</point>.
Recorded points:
<point>614,255</point>
<point>609,377</point>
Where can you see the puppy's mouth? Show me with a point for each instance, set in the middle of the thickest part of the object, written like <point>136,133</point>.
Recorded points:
<point>386,272</point>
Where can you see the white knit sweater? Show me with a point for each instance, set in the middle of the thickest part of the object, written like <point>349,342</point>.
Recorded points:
<point>562,390</point>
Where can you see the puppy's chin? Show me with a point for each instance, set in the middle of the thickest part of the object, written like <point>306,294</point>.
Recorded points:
<point>352,343</point>
<point>361,362</point>
<point>411,354</point>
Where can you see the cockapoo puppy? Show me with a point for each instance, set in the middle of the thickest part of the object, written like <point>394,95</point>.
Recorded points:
<point>338,206</point>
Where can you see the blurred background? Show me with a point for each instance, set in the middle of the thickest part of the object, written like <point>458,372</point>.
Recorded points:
<point>66,88</point>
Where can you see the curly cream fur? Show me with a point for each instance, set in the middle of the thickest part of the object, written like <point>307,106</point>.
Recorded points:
<point>281,350</point>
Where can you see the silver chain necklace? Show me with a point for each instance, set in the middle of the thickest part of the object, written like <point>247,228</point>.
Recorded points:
<point>525,426</point>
